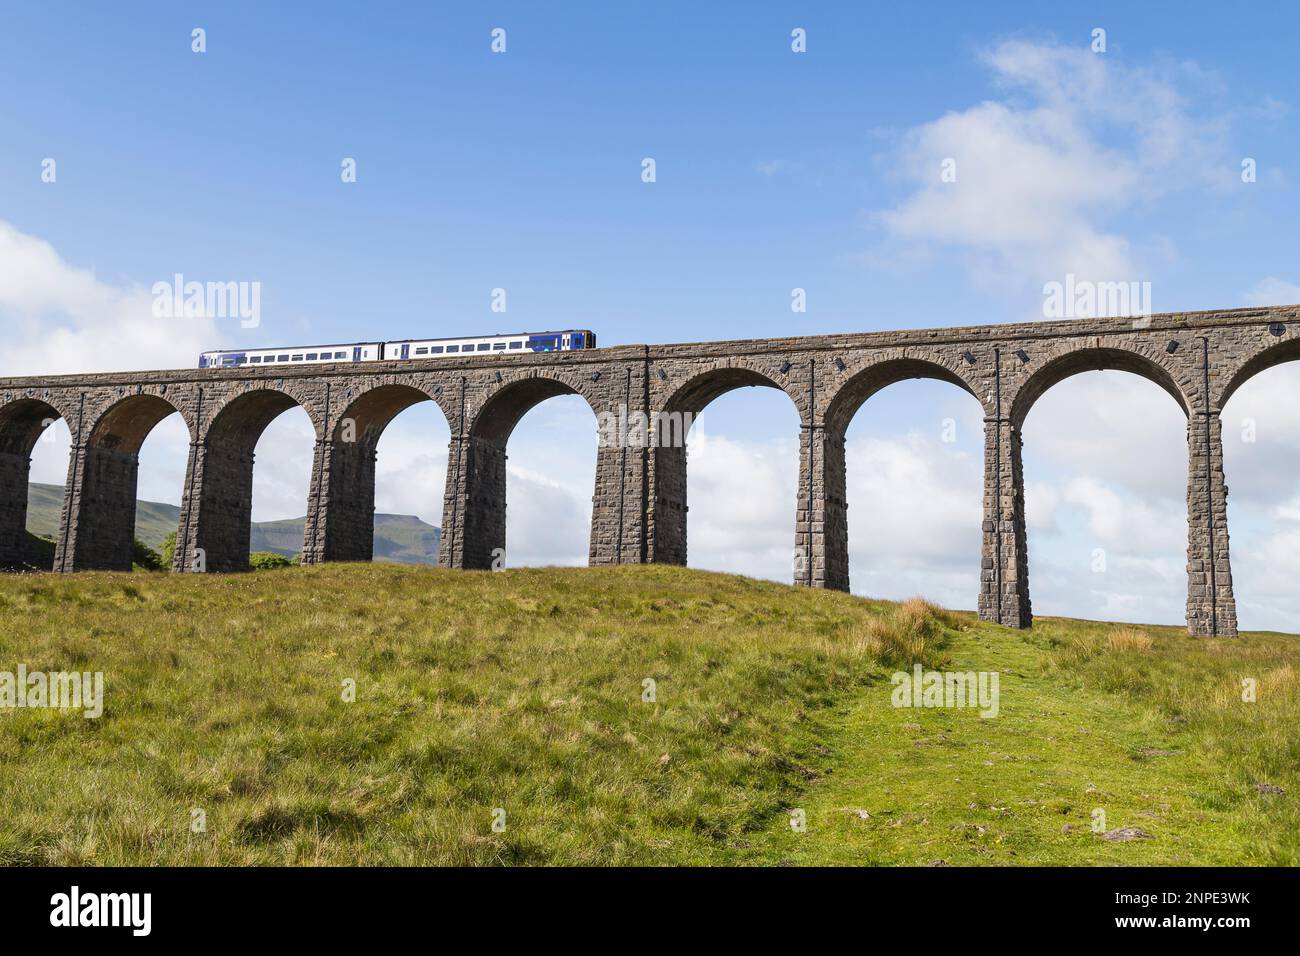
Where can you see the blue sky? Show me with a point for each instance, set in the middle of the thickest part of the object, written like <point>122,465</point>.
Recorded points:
<point>775,170</point>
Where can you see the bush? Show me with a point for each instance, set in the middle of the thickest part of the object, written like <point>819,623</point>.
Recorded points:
<point>145,558</point>
<point>168,550</point>
<point>910,633</point>
<point>265,560</point>
<point>39,552</point>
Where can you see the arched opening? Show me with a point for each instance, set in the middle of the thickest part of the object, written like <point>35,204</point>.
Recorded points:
<point>550,476</point>
<point>741,481</point>
<point>914,457</point>
<point>110,519</point>
<point>160,486</point>
<point>538,509</point>
<point>1105,488</point>
<point>1261,461</point>
<point>388,464</point>
<point>233,495</point>
<point>34,452</point>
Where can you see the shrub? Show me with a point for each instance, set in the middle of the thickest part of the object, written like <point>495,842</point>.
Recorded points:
<point>39,551</point>
<point>909,633</point>
<point>266,560</point>
<point>168,550</point>
<point>145,558</point>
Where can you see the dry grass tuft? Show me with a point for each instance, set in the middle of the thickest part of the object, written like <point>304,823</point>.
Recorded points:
<point>909,633</point>
<point>1128,639</point>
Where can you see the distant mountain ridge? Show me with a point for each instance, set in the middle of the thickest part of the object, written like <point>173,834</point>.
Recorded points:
<point>404,539</point>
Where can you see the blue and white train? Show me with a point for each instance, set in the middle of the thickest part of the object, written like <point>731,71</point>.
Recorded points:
<point>573,340</point>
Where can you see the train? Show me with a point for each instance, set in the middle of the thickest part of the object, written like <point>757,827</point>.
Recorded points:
<point>569,340</point>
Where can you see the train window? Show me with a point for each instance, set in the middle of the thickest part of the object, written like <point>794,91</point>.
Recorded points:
<point>282,358</point>
<point>435,349</point>
<point>484,346</point>
<point>255,358</point>
<point>312,356</point>
<point>453,348</point>
<point>516,345</point>
<point>340,354</point>
<point>423,351</point>
<point>498,345</point>
<point>296,358</point>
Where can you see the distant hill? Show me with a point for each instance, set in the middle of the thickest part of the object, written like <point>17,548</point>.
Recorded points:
<point>153,521</point>
<point>404,539</point>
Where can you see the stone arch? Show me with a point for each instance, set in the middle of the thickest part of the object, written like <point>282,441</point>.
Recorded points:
<point>1175,372</point>
<point>341,499</point>
<point>667,487</point>
<point>500,411</point>
<point>1093,358</point>
<point>221,476</point>
<point>373,409</point>
<point>826,460</point>
<point>1278,353</point>
<point>860,384</point>
<point>104,506</point>
<point>474,506</point>
<point>22,421</point>
<point>247,411</point>
<point>125,424</point>
<point>1249,465</point>
<point>705,383</point>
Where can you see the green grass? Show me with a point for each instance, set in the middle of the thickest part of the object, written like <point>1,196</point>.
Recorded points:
<point>523,690</point>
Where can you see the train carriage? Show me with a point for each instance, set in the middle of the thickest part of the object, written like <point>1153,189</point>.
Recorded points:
<point>570,340</point>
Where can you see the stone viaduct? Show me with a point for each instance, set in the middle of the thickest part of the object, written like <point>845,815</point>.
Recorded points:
<point>639,503</point>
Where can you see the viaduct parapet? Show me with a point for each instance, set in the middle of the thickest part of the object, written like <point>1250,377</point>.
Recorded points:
<point>639,503</point>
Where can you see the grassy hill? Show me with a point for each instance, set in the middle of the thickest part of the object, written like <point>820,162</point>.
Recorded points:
<point>526,690</point>
<point>401,538</point>
<point>404,539</point>
<point>153,520</point>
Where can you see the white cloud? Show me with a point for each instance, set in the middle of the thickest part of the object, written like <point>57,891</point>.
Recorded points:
<point>411,465</point>
<point>741,496</point>
<point>1144,529</point>
<point>1113,426</point>
<point>915,512</point>
<point>1272,291</point>
<point>61,318</point>
<point>282,467</point>
<point>550,478</point>
<point>1077,139</point>
<point>914,519</point>
<point>1041,501</point>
